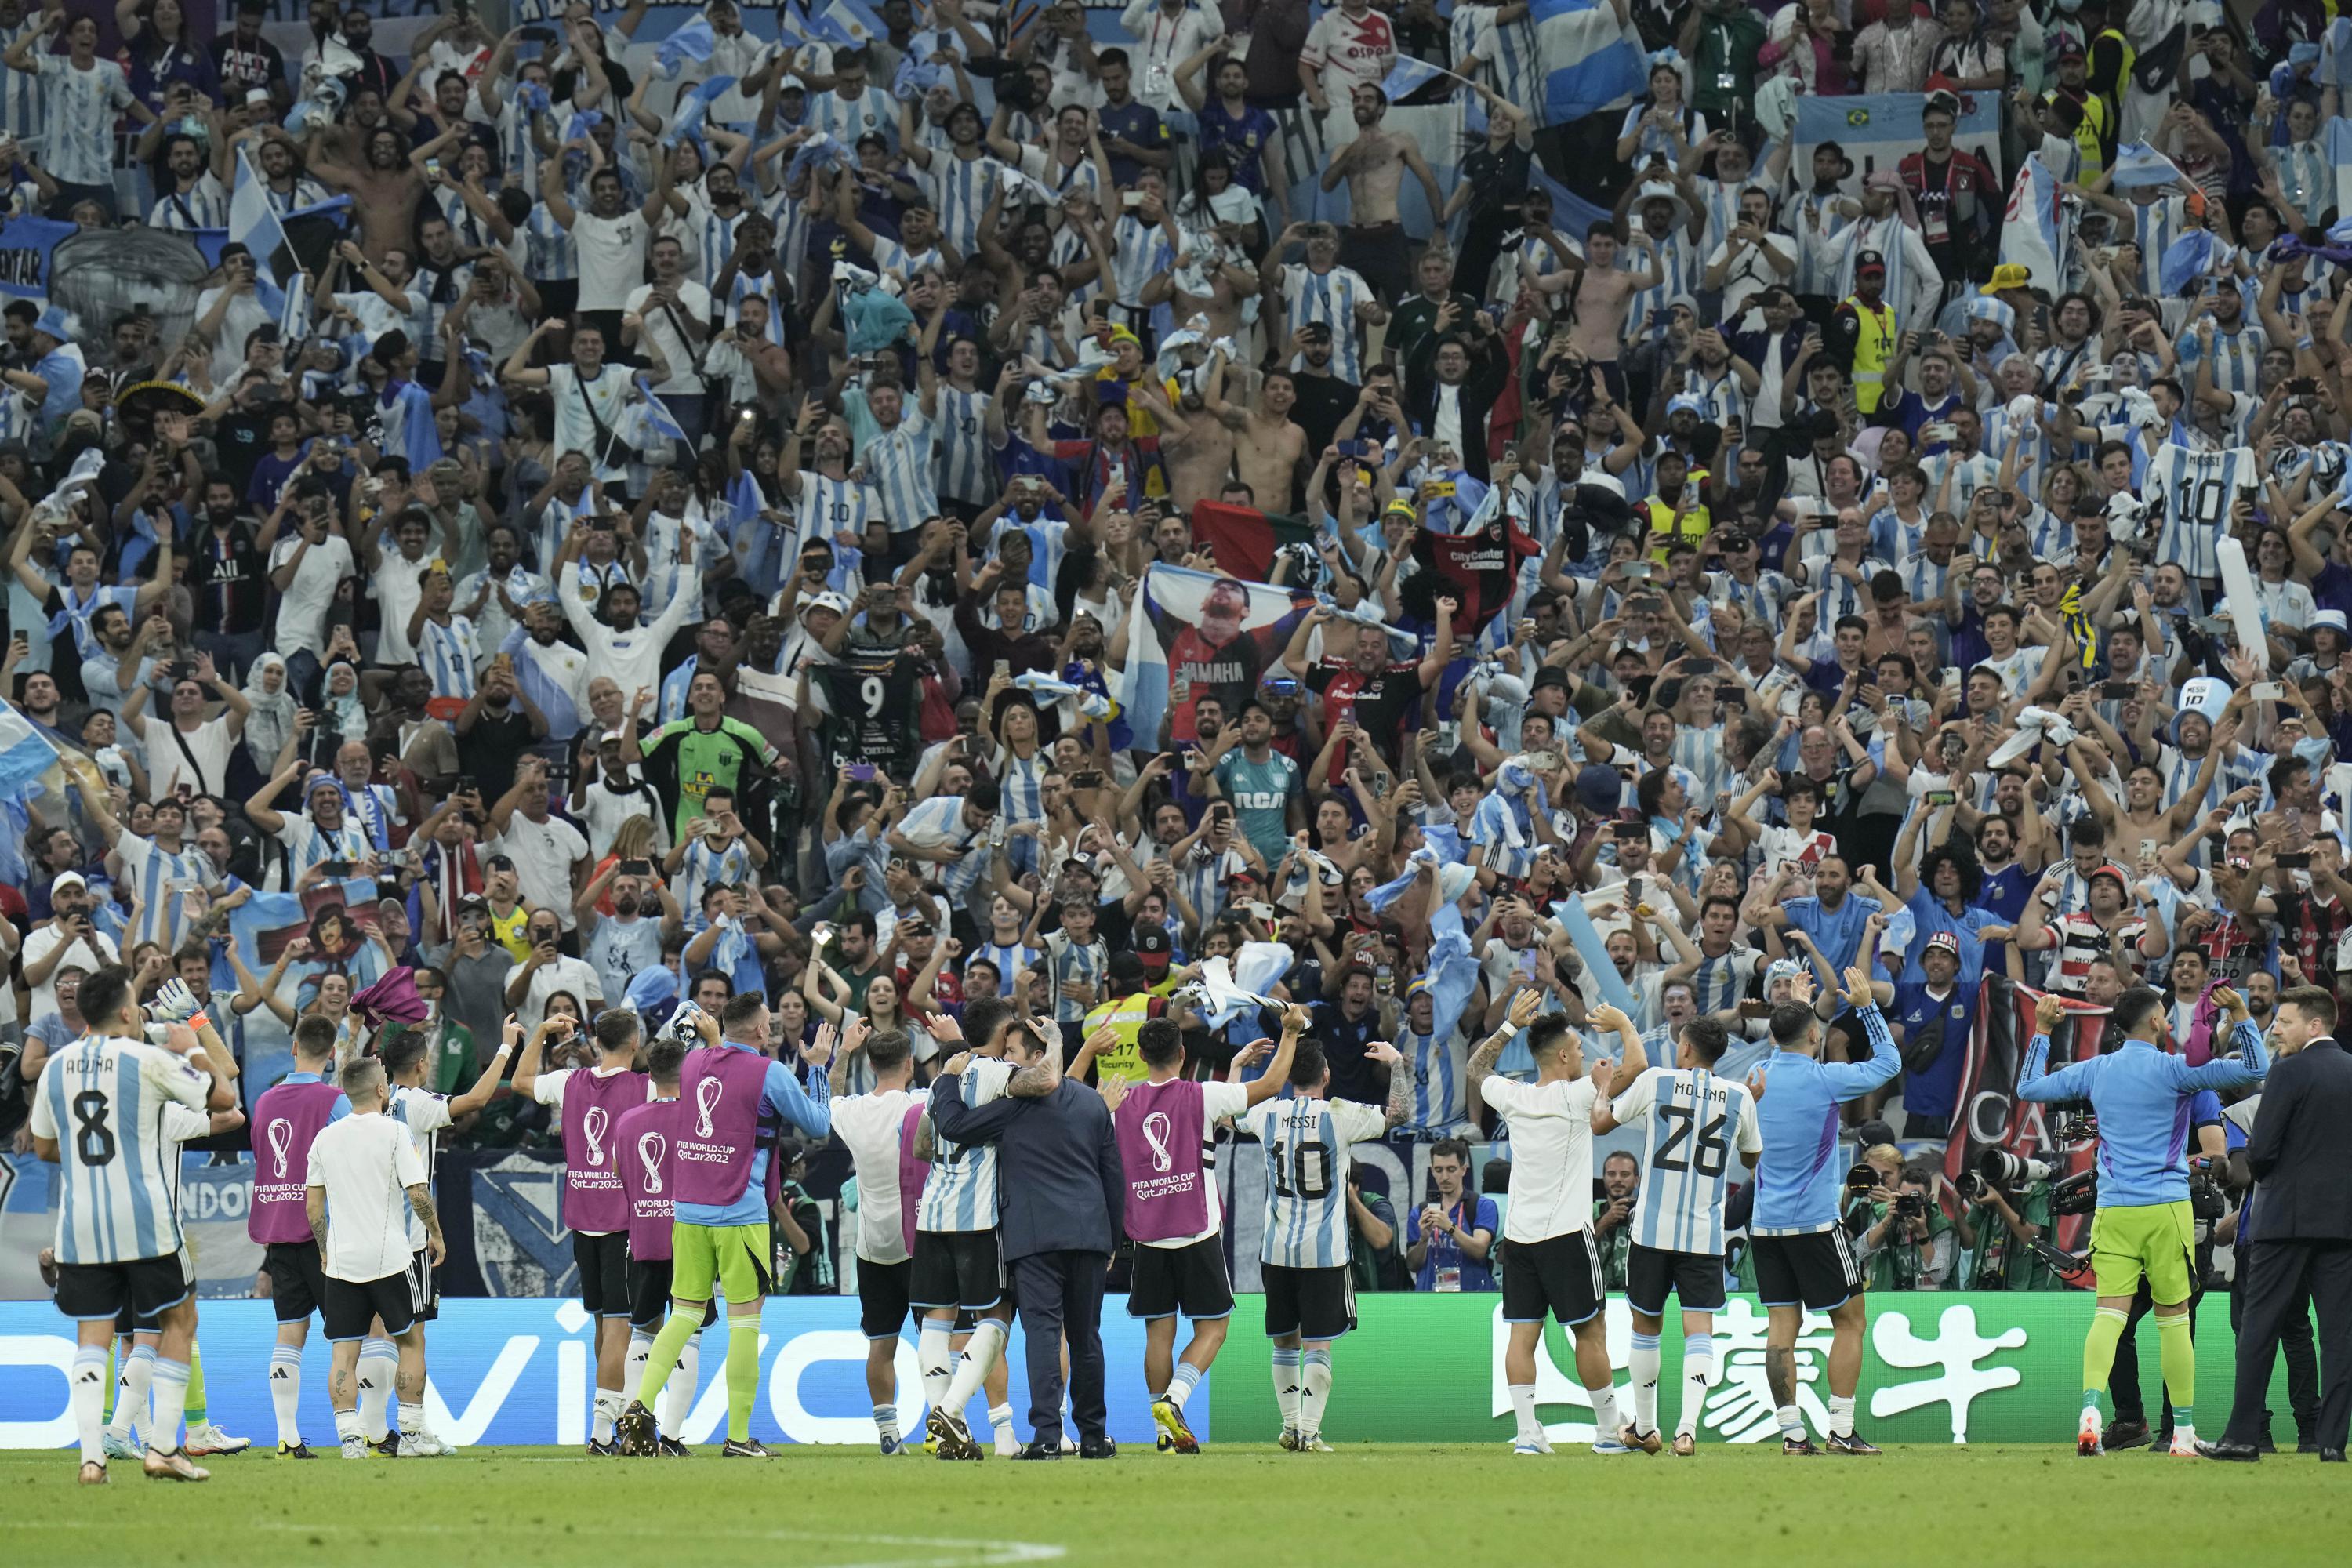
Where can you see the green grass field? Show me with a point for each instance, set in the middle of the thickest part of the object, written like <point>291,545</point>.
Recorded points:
<point>1364,1504</point>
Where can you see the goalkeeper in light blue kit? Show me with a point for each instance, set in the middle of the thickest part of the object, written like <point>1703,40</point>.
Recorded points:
<point>2142,1226</point>
<point>1804,1261</point>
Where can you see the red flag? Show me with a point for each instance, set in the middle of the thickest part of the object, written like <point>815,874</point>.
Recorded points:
<point>1243,539</point>
<point>1480,568</point>
<point>1991,1116</point>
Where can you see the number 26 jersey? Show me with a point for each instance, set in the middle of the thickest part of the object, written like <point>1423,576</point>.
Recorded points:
<point>1306,1145</point>
<point>1696,1121</point>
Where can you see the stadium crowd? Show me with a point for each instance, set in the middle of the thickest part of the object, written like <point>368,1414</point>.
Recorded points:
<point>941,513</point>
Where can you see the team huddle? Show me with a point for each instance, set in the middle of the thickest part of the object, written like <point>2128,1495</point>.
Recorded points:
<point>673,1165</point>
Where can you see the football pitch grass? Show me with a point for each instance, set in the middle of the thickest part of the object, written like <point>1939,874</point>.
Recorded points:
<point>1431,1506</point>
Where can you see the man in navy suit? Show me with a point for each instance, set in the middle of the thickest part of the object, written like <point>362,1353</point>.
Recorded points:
<point>2297,1225</point>
<point>1063,1194</point>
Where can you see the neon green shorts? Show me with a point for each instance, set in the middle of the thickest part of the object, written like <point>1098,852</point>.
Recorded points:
<point>735,1256</point>
<point>2158,1240</point>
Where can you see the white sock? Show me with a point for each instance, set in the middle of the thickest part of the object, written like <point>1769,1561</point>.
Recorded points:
<point>347,1425</point>
<point>171,1386</point>
<point>1645,1383</point>
<point>935,1354</point>
<point>610,1402</point>
<point>1605,1419</point>
<point>1315,1374</point>
<point>1841,1416</point>
<point>1181,1384</point>
<point>130,1391</point>
<point>1523,1405</point>
<point>286,1391</point>
<point>886,1422</point>
<point>677,1394</point>
<point>633,1363</point>
<point>1792,1422</point>
<point>1699,1365</point>
<point>89,1401</point>
<point>999,1422</point>
<point>1287,1389</point>
<point>412,1420</point>
<point>980,1354</point>
<point>379,1363</point>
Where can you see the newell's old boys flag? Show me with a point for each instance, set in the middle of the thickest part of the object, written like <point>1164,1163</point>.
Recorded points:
<point>1590,60</point>
<point>1990,1114</point>
<point>1479,569</point>
<point>1193,634</point>
<point>1243,539</point>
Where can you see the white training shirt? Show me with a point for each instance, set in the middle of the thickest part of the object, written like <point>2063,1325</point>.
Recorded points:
<point>1551,1154</point>
<point>869,1126</point>
<point>366,1163</point>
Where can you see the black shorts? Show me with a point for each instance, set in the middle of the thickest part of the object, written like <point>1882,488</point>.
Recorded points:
<point>128,1322</point>
<point>428,1305</point>
<point>297,1284</point>
<point>1695,1277</point>
<point>1818,1268</point>
<point>649,1295</point>
<point>400,1300</point>
<point>1187,1279</point>
<point>146,1287</point>
<point>1559,1275</point>
<point>603,1273</point>
<point>960,1269</point>
<point>1313,1303</point>
<point>882,1297</point>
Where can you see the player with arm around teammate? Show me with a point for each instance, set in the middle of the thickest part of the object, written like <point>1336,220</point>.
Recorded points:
<point>1803,1261</point>
<point>1555,1265</point>
<point>1696,1120</point>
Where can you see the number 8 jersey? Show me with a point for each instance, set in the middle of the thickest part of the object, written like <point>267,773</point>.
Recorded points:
<point>103,1103</point>
<point>1695,1120</point>
<point>1307,1157</point>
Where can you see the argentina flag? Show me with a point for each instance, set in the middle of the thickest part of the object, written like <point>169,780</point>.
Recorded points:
<point>2336,143</point>
<point>2033,233</point>
<point>1590,60</point>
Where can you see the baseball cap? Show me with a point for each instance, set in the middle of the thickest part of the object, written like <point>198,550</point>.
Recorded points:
<point>1126,968</point>
<point>828,600</point>
<point>2109,870</point>
<point>1942,941</point>
<point>1598,788</point>
<point>1152,947</point>
<point>1782,969</point>
<point>1868,261</point>
<point>2008,275</point>
<point>64,879</point>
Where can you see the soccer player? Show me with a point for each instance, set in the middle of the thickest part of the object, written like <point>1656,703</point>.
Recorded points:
<point>119,1239</point>
<point>589,1103</point>
<point>2142,1226</point>
<point>738,1103</point>
<point>1695,1120</point>
<point>1168,1142</point>
<point>647,1137</point>
<point>1555,1264</point>
<point>959,1262</point>
<point>871,1126</point>
<point>365,1180</point>
<point>1311,1292</point>
<point>127,1429</point>
<point>1802,1260</point>
<point>407,1060</point>
<point>287,1117</point>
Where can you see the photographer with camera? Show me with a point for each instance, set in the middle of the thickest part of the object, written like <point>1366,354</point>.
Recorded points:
<point>1912,1244</point>
<point>2008,1199</point>
<point>2144,1228</point>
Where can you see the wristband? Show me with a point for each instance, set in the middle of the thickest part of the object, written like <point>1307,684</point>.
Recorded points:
<point>199,1022</point>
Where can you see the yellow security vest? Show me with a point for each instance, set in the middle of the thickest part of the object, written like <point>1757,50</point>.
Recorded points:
<point>2090,136</point>
<point>1874,345</point>
<point>1123,1062</point>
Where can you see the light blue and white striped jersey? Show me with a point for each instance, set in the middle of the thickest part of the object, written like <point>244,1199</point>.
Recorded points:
<point>961,190</point>
<point>845,119</point>
<point>1330,298</point>
<point>1307,1146</point>
<point>77,119</point>
<point>899,464</point>
<point>2154,228</point>
<point>2196,488</point>
<point>1698,754</point>
<point>1008,956</point>
<point>554,258</point>
<point>967,471</point>
<point>704,869</point>
<point>103,1101</point>
<point>1764,600</point>
<point>157,878</point>
<point>24,97</point>
<point>666,575</point>
<point>1021,784</point>
<point>790,214</point>
<point>1798,1180</point>
<point>1440,1102</point>
<point>517,154</point>
<point>1695,1122</point>
<point>826,508</point>
<point>959,1193</point>
<point>206,205</point>
<point>709,235</point>
<point>307,844</point>
<point>1816,221</point>
<point>2237,358</point>
<point>448,654</point>
<point>1067,960</point>
<point>2001,432</point>
<point>1720,982</point>
<point>1681,266</point>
